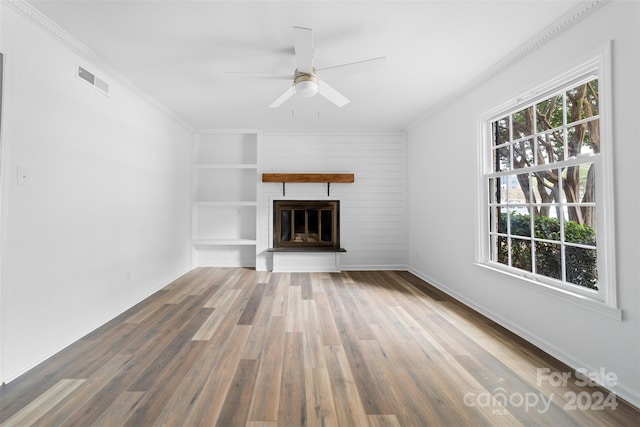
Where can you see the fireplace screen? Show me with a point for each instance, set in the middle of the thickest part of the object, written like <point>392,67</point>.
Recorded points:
<point>306,224</point>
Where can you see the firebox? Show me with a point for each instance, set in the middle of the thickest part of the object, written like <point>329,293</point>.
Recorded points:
<point>306,224</point>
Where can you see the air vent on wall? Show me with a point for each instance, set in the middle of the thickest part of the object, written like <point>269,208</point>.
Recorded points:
<point>94,81</point>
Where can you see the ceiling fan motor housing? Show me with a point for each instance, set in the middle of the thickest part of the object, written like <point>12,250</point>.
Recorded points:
<point>306,85</point>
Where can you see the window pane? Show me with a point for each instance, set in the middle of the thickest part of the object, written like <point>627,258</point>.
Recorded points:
<point>549,260</point>
<point>592,105</point>
<point>523,154</point>
<point>575,232</point>
<point>500,130</point>
<point>549,113</point>
<point>520,222</point>
<point>578,185</point>
<point>521,254</point>
<point>575,139</point>
<point>547,227</point>
<point>518,187</point>
<point>584,138</point>
<point>523,123</point>
<point>582,101</point>
<point>498,219</point>
<point>591,143</point>
<point>501,159</point>
<point>550,148</point>
<point>571,184</point>
<point>587,182</point>
<point>498,190</point>
<point>582,266</point>
<point>546,186</point>
<point>499,249</point>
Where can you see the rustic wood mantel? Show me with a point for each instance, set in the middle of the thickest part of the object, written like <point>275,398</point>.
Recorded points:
<point>308,177</point>
<point>342,178</point>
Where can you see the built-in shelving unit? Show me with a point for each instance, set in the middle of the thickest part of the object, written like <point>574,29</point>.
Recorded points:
<point>224,205</point>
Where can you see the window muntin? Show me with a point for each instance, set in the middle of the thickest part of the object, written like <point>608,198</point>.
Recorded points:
<point>542,185</point>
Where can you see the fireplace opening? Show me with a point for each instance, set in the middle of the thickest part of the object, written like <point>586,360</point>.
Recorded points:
<point>306,224</point>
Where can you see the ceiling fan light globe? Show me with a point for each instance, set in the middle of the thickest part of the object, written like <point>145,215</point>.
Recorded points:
<point>307,88</point>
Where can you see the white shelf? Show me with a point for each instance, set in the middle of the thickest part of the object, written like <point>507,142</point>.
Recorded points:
<point>224,203</point>
<point>226,166</point>
<point>223,242</point>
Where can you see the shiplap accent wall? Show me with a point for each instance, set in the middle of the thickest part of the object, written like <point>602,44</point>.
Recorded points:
<point>373,209</point>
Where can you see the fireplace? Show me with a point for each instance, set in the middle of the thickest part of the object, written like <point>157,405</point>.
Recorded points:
<point>306,225</point>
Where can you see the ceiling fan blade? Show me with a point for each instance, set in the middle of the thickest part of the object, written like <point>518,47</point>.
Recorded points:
<point>303,42</point>
<point>282,98</point>
<point>332,95</point>
<point>360,66</point>
<point>260,75</point>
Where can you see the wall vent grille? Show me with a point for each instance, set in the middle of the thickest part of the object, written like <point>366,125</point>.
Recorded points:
<point>94,81</point>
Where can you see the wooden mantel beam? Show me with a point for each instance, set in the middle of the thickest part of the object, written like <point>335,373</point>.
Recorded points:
<point>309,177</point>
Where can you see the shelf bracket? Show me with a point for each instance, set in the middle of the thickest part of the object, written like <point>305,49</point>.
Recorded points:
<point>328,189</point>
<point>283,189</point>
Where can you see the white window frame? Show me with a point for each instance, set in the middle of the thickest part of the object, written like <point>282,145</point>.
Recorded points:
<point>604,299</point>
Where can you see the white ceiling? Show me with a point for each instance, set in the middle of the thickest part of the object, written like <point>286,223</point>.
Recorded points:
<point>179,52</point>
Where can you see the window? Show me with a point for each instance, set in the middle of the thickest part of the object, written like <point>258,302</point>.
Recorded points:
<point>546,205</point>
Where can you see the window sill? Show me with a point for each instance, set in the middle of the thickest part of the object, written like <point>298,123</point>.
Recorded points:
<point>561,294</point>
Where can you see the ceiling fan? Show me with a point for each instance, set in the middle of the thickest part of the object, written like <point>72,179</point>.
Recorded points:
<point>305,80</point>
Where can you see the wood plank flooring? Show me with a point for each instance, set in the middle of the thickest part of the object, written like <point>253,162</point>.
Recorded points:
<point>236,347</point>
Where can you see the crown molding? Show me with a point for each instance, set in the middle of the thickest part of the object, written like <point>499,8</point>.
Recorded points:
<point>37,17</point>
<point>54,30</point>
<point>577,14</point>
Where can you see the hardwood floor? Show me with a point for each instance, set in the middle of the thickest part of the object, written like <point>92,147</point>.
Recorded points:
<point>235,347</point>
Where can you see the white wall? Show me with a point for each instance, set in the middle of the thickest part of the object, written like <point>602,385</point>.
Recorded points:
<point>103,218</point>
<point>442,223</point>
<point>373,208</point>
